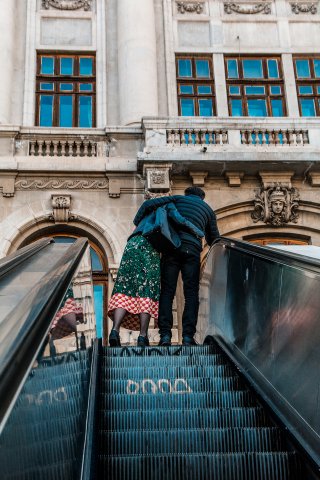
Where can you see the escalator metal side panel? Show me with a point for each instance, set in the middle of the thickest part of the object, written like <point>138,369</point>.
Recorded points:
<point>266,313</point>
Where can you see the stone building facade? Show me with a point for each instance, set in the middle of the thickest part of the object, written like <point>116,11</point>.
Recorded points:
<point>103,100</point>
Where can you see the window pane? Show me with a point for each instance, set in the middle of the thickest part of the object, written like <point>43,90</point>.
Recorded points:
<point>184,68</point>
<point>307,107</point>
<point>66,66</point>
<point>86,66</point>
<point>202,68</point>
<point>275,90</point>
<point>47,65</point>
<point>186,89</point>
<point>232,69</point>
<point>65,111</point>
<point>257,108</point>
<point>204,90</point>
<point>86,87</point>
<point>85,111</point>
<point>67,87</point>
<point>205,107</point>
<point>273,69</point>
<point>318,89</point>
<point>316,64</point>
<point>234,90</point>
<point>303,68</point>
<point>277,107</point>
<point>98,291</point>
<point>305,90</point>
<point>46,86</point>
<point>187,107</point>
<point>253,90</point>
<point>96,264</point>
<point>46,110</point>
<point>236,107</point>
<point>252,69</point>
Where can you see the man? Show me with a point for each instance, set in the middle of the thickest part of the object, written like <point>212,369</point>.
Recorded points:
<point>186,259</point>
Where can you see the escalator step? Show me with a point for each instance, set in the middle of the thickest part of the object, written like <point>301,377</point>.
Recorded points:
<point>175,401</point>
<point>60,394</point>
<point>240,466</point>
<point>42,369</point>
<point>44,411</point>
<point>168,384</point>
<point>174,350</point>
<point>222,440</point>
<point>174,419</point>
<point>66,470</point>
<point>165,371</point>
<point>125,362</point>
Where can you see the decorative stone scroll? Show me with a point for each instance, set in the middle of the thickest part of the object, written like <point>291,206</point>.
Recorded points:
<point>276,205</point>
<point>67,4</point>
<point>61,205</point>
<point>304,8</point>
<point>61,183</point>
<point>190,7</point>
<point>264,8</point>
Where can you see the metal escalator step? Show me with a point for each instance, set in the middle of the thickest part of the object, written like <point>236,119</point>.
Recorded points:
<point>142,402</point>
<point>222,440</point>
<point>42,386</point>
<point>201,360</point>
<point>65,358</point>
<point>193,419</point>
<point>174,350</point>
<point>171,384</point>
<point>141,372</point>
<point>60,394</point>
<point>65,470</point>
<point>43,411</point>
<point>64,369</point>
<point>239,466</point>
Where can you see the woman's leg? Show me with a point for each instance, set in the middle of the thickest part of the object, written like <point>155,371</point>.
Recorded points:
<point>144,323</point>
<point>118,316</point>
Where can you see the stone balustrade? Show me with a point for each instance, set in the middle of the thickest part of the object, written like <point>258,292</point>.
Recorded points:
<point>264,137</point>
<point>196,136</point>
<point>62,148</point>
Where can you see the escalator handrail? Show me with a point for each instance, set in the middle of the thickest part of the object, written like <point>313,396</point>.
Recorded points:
<point>280,256</point>
<point>20,256</point>
<point>45,300</point>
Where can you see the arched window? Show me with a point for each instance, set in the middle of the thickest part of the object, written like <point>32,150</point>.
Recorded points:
<point>267,239</point>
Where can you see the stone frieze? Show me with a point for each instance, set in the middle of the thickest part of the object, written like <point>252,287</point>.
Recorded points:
<point>67,4</point>
<point>61,183</point>
<point>190,7</point>
<point>264,8</point>
<point>304,8</point>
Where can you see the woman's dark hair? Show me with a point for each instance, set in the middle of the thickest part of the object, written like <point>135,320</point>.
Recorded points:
<point>195,191</point>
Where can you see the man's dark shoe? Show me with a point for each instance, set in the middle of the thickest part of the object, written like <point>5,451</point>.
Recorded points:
<point>165,341</point>
<point>188,341</point>
<point>114,339</point>
<point>142,341</point>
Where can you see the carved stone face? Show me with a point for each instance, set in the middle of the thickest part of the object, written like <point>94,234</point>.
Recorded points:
<point>277,206</point>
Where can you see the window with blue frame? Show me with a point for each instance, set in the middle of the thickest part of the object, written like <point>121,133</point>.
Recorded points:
<point>196,94</point>
<point>307,71</point>
<point>65,90</point>
<point>255,86</point>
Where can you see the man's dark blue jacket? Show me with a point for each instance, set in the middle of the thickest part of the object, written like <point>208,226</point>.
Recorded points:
<point>191,207</point>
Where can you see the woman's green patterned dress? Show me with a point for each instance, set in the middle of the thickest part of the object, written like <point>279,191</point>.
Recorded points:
<point>137,288</point>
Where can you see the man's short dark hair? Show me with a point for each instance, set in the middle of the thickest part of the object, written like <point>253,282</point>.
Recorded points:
<point>195,191</point>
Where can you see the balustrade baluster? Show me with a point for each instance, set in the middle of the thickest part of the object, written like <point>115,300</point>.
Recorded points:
<point>290,137</point>
<point>250,137</point>
<point>224,137</point>
<point>32,150</point>
<point>197,138</point>
<point>177,137</point>
<point>285,137</point>
<point>55,144</point>
<point>85,148</point>
<point>183,136</point>
<point>271,137</point>
<point>203,137</point>
<point>305,137</point>
<point>170,137</point>
<point>263,137</point>
<point>299,138</point>
<point>276,137</point>
<point>243,137</point>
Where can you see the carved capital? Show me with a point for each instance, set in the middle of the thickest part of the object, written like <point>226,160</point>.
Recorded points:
<point>304,8</point>
<point>198,178</point>
<point>276,205</point>
<point>157,179</point>
<point>67,4</point>
<point>234,178</point>
<point>113,270</point>
<point>250,9</point>
<point>7,183</point>
<point>189,7</point>
<point>61,205</point>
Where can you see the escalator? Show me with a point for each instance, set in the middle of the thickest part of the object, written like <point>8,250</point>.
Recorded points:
<point>243,404</point>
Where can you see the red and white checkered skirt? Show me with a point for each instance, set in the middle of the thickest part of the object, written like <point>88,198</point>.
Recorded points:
<point>133,306</point>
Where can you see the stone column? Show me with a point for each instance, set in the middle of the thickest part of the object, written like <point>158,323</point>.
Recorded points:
<point>7,30</point>
<point>137,60</point>
<point>220,85</point>
<point>290,85</point>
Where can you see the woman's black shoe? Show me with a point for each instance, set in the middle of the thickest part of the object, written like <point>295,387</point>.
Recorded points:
<point>114,339</point>
<point>188,341</point>
<point>142,341</point>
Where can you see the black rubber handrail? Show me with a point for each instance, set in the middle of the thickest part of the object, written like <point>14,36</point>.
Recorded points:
<point>35,312</point>
<point>18,257</point>
<point>280,256</point>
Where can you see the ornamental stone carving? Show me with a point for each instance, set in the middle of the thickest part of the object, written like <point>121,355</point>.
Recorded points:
<point>190,7</point>
<point>304,8</point>
<point>255,8</point>
<point>61,183</point>
<point>61,205</point>
<point>276,205</point>
<point>157,178</point>
<point>67,4</point>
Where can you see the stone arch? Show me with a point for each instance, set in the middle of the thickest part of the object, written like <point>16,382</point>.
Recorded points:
<point>34,226</point>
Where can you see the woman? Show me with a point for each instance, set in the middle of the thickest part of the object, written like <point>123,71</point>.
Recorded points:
<point>135,296</point>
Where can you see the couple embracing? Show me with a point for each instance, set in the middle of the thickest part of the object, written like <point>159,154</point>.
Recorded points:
<point>148,274</point>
